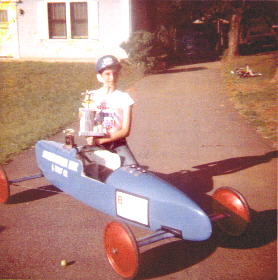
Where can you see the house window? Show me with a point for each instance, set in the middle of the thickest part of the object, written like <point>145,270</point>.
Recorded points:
<point>57,20</point>
<point>68,20</point>
<point>79,20</point>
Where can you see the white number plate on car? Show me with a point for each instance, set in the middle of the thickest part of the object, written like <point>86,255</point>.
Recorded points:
<point>132,207</point>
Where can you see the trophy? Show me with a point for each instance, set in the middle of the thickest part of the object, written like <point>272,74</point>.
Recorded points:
<point>91,119</point>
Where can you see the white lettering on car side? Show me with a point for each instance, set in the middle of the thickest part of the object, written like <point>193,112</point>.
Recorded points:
<point>60,165</point>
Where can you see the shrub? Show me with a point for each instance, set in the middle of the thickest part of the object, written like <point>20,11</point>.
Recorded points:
<point>146,50</point>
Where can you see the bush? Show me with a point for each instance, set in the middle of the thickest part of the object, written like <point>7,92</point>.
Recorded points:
<point>147,50</point>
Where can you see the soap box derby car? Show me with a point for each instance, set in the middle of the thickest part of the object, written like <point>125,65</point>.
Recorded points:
<point>133,196</point>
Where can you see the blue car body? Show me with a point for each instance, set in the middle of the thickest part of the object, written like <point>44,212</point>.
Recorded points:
<point>129,194</point>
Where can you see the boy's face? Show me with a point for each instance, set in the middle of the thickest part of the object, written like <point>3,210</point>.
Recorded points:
<point>110,76</point>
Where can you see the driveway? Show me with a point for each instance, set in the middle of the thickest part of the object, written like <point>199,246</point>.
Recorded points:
<point>187,132</point>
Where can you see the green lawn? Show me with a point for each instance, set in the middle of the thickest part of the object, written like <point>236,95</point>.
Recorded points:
<point>37,99</point>
<point>256,97</point>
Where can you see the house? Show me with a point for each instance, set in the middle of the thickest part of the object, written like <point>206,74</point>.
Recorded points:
<point>64,28</point>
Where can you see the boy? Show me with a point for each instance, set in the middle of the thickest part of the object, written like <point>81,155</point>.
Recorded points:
<point>116,110</point>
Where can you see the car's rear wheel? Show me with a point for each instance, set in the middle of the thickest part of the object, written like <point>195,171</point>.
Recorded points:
<point>230,202</point>
<point>4,187</point>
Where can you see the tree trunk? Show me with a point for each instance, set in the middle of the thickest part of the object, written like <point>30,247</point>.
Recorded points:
<point>233,47</point>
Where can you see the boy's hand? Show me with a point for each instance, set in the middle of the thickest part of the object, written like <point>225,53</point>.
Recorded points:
<point>90,140</point>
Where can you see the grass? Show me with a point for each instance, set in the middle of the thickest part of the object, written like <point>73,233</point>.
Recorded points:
<point>38,99</point>
<point>256,97</point>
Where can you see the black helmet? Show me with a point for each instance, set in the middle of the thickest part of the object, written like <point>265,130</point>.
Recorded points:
<point>107,61</point>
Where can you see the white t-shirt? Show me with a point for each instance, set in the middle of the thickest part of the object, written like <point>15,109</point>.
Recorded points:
<point>109,106</point>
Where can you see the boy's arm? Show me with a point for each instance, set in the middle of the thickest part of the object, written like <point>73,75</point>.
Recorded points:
<point>122,133</point>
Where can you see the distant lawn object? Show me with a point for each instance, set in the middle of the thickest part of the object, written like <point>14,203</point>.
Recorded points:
<point>255,96</point>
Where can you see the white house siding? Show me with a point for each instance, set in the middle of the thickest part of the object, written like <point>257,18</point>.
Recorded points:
<point>8,29</point>
<point>108,26</point>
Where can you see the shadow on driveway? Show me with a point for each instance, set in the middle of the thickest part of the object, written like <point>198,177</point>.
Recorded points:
<point>173,257</point>
<point>199,182</point>
<point>34,194</point>
<point>181,70</point>
<point>2,228</point>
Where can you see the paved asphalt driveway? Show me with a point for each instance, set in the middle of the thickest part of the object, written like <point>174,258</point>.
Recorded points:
<point>186,131</point>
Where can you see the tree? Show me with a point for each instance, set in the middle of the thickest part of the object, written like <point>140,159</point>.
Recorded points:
<point>233,12</point>
<point>234,33</point>
<point>240,13</point>
<point>175,14</point>
<point>181,13</point>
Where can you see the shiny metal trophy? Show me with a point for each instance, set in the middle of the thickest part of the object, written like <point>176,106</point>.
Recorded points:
<point>91,123</point>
